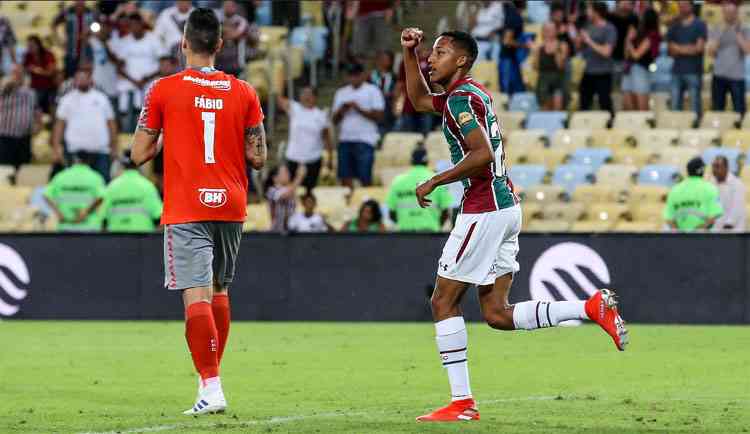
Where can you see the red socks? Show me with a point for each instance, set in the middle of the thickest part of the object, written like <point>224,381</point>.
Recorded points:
<point>202,339</point>
<point>221,311</point>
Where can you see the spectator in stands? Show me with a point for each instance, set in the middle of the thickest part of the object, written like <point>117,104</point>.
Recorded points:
<point>281,192</point>
<point>511,80</point>
<point>566,33</point>
<point>168,65</point>
<point>383,77</point>
<point>731,195</point>
<point>687,39</point>
<point>77,20</point>
<point>308,136</point>
<point>105,63</point>
<point>19,119</point>
<point>240,38</point>
<point>550,58</point>
<point>85,120</point>
<point>72,192</point>
<point>641,49</point>
<point>402,199</point>
<point>7,42</point>
<point>596,42</point>
<point>729,45</point>
<point>40,63</point>
<point>693,204</point>
<point>410,119</point>
<point>371,28</point>
<point>140,52</point>
<point>357,108</point>
<point>309,220</point>
<point>486,25</point>
<point>369,219</point>
<point>624,21</point>
<point>171,23</point>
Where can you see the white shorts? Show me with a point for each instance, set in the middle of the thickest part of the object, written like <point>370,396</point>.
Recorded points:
<point>482,247</point>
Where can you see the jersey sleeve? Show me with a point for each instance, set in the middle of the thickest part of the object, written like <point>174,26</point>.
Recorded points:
<point>152,113</point>
<point>254,115</point>
<point>438,101</point>
<point>468,111</point>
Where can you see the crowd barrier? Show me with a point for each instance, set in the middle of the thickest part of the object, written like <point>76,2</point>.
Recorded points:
<point>660,278</point>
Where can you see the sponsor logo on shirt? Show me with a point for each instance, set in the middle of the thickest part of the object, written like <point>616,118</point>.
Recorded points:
<point>464,118</point>
<point>216,84</point>
<point>13,274</point>
<point>213,197</point>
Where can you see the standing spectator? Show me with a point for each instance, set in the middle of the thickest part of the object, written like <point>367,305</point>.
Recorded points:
<point>7,41</point>
<point>104,62</point>
<point>624,21</point>
<point>731,195</point>
<point>357,108</point>
<point>19,119</point>
<point>641,49</point>
<point>77,20</point>
<point>308,135</point>
<point>551,60</point>
<point>168,65</point>
<point>693,204</point>
<point>40,62</point>
<point>410,119</point>
<point>72,192</point>
<point>140,52</point>
<point>402,199</point>
<point>171,23</point>
<point>485,25</point>
<point>596,43</point>
<point>371,27</point>
<point>729,45</point>
<point>86,121</point>
<point>281,192</point>
<point>384,78</point>
<point>687,39</point>
<point>511,80</point>
<point>309,220</point>
<point>369,219</point>
<point>237,33</point>
<point>566,33</point>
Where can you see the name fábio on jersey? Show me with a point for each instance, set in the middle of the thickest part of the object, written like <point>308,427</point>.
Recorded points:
<point>212,197</point>
<point>209,103</point>
<point>216,84</point>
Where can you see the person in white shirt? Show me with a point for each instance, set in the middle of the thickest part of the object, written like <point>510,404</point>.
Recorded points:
<point>357,109</point>
<point>485,27</point>
<point>171,23</point>
<point>104,60</point>
<point>308,220</point>
<point>308,135</point>
<point>139,52</point>
<point>732,196</point>
<point>86,121</point>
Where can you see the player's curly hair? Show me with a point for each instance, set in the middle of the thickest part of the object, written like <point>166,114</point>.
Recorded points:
<point>465,42</point>
<point>203,31</point>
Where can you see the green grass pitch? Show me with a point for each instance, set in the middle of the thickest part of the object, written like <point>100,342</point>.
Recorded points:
<point>131,377</point>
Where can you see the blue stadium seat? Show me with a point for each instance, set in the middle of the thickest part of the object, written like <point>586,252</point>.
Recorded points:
<point>656,174</point>
<point>312,39</point>
<point>547,121</point>
<point>570,176</point>
<point>732,155</point>
<point>527,175</point>
<point>594,157</point>
<point>523,102</point>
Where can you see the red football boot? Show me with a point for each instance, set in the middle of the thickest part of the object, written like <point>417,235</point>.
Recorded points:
<point>602,309</point>
<point>457,411</point>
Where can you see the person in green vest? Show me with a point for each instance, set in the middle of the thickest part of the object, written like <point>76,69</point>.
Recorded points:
<point>402,199</point>
<point>72,192</point>
<point>694,203</point>
<point>131,202</point>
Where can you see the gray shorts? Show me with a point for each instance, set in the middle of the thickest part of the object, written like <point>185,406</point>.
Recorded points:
<point>199,254</point>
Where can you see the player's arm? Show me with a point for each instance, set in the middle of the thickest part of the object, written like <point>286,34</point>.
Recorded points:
<point>255,146</point>
<point>477,159</point>
<point>417,89</point>
<point>144,147</point>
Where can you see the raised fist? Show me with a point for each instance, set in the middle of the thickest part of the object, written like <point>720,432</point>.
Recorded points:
<point>411,37</point>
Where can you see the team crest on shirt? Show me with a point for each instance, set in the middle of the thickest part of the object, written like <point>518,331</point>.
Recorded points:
<point>213,197</point>
<point>464,118</point>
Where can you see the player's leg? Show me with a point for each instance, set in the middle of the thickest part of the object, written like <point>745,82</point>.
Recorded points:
<point>227,239</point>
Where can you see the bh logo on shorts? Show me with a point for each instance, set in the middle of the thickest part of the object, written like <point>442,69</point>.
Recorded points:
<point>568,271</point>
<point>14,274</point>
<point>213,197</point>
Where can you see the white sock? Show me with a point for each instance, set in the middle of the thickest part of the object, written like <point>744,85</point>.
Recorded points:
<point>451,340</point>
<point>530,315</point>
<point>211,385</point>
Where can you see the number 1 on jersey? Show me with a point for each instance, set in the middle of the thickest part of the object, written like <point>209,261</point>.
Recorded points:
<point>209,128</point>
<point>499,157</point>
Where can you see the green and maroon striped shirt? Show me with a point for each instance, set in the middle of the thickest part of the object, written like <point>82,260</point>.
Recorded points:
<point>467,105</point>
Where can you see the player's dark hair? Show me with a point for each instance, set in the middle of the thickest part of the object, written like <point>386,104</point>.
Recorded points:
<point>377,215</point>
<point>465,42</point>
<point>203,31</point>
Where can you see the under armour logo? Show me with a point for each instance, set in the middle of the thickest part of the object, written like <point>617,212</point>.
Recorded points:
<point>443,266</point>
